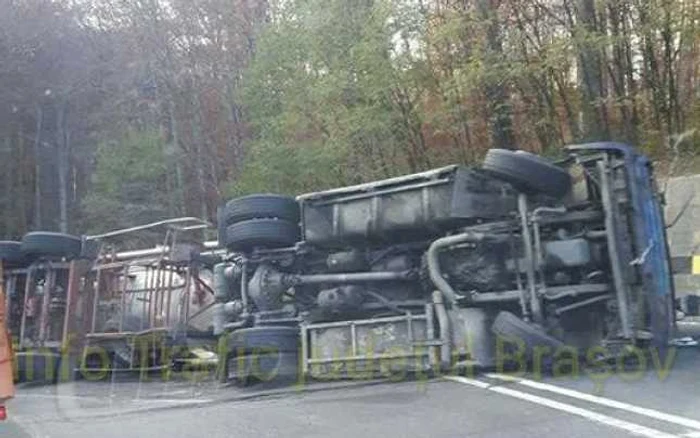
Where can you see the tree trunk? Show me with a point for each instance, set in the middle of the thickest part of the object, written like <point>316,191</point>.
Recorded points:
<point>594,117</point>
<point>618,69</point>
<point>180,203</point>
<point>37,168</point>
<point>10,187</point>
<point>199,148</point>
<point>62,140</point>
<point>651,68</point>
<point>496,90</point>
<point>673,117</point>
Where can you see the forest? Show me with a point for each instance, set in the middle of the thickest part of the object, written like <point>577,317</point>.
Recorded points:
<point>120,112</point>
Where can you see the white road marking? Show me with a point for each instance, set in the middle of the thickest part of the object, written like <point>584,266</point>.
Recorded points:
<point>651,413</point>
<point>468,381</point>
<point>694,434</point>
<point>172,401</point>
<point>636,429</point>
<point>58,397</point>
<point>179,392</point>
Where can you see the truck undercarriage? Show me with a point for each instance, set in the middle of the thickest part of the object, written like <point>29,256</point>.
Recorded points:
<point>426,271</point>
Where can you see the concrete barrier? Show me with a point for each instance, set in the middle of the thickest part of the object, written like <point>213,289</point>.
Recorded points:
<point>683,198</point>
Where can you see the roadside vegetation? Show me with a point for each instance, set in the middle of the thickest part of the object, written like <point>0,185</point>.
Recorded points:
<point>117,112</point>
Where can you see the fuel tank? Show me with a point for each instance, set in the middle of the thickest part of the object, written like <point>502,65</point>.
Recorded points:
<point>405,208</point>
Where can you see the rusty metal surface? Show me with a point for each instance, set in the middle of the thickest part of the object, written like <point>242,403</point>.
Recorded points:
<point>378,345</point>
<point>6,385</point>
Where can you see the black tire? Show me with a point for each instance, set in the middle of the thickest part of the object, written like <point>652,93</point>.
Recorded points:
<point>527,172</point>
<point>513,329</point>
<point>283,339</point>
<point>11,253</point>
<point>274,369</point>
<point>47,244</point>
<point>37,367</point>
<point>261,233</point>
<point>267,354</point>
<point>261,206</point>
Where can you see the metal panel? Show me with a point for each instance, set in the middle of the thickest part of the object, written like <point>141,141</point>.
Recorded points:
<point>415,206</point>
<point>358,348</point>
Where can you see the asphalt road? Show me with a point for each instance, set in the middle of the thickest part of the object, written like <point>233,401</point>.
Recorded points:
<point>653,402</point>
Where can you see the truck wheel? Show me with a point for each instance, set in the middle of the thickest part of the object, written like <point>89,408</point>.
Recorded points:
<point>264,354</point>
<point>43,243</point>
<point>11,253</point>
<point>528,336</point>
<point>263,233</point>
<point>284,339</point>
<point>260,207</point>
<point>37,367</point>
<point>527,172</point>
<point>273,369</point>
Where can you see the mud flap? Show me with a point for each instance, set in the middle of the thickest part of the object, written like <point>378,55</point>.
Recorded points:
<point>526,336</point>
<point>472,336</point>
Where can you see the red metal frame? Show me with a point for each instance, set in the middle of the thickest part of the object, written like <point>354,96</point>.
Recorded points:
<point>89,284</point>
<point>7,390</point>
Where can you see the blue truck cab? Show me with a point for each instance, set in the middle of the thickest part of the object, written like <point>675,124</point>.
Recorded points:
<point>638,222</point>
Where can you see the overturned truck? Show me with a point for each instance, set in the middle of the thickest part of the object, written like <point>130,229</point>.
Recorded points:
<point>86,307</point>
<point>425,271</point>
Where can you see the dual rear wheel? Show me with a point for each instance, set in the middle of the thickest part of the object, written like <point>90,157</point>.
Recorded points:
<point>259,221</point>
<point>37,245</point>
<point>267,354</point>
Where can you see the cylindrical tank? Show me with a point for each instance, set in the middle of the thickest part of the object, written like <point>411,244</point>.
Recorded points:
<point>153,300</point>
